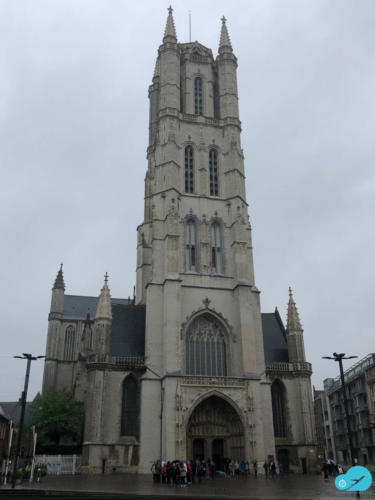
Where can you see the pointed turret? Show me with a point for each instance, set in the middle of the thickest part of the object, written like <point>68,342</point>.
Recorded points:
<point>225,43</point>
<point>168,70</point>
<point>293,321</point>
<point>56,314</point>
<point>104,309</point>
<point>227,72</point>
<point>57,299</point>
<point>59,281</point>
<point>170,30</point>
<point>294,333</point>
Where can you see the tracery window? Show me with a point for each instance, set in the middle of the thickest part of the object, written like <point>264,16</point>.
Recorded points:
<point>205,348</point>
<point>198,96</point>
<point>278,409</point>
<point>189,170</point>
<point>214,175</point>
<point>129,414</point>
<point>217,256</point>
<point>69,343</point>
<point>191,254</point>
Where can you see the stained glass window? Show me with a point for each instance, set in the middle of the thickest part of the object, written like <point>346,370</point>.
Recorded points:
<point>129,418</point>
<point>69,343</point>
<point>189,170</point>
<point>205,348</point>
<point>198,96</point>
<point>278,408</point>
<point>214,175</point>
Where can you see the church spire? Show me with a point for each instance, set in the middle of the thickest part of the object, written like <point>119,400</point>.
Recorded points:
<point>104,309</point>
<point>59,281</point>
<point>225,43</point>
<point>170,30</point>
<point>293,321</point>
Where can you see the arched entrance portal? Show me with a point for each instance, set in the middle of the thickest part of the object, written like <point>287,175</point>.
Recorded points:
<point>215,432</point>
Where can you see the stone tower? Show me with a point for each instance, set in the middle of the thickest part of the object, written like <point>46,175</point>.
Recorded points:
<point>190,368</point>
<point>204,392</point>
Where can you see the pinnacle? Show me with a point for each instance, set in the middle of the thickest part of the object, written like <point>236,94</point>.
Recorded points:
<point>104,308</point>
<point>59,281</point>
<point>170,30</point>
<point>225,43</point>
<point>157,68</point>
<point>293,321</point>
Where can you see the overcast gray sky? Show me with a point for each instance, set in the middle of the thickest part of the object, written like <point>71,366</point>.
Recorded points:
<point>73,138</point>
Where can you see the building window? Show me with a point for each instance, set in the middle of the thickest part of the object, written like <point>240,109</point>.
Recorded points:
<point>214,177</point>
<point>69,343</point>
<point>278,409</point>
<point>217,254</point>
<point>198,96</point>
<point>129,414</point>
<point>205,348</point>
<point>191,246</point>
<point>189,170</point>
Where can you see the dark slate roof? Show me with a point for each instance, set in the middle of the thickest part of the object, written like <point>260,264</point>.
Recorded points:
<point>12,409</point>
<point>274,338</point>
<point>3,414</point>
<point>128,327</point>
<point>77,306</point>
<point>128,330</point>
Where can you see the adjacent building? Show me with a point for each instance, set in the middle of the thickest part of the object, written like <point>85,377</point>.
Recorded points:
<point>331,428</point>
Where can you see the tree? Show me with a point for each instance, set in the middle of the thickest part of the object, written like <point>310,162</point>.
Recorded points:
<point>58,417</point>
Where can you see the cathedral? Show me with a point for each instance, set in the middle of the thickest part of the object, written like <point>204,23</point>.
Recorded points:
<point>190,367</point>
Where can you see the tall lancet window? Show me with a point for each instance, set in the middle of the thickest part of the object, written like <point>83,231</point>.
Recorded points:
<point>217,255</point>
<point>205,348</point>
<point>129,417</point>
<point>69,343</point>
<point>189,170</point>
<point>214,176</point>
<point>198,96</point>
<point>191,236</point>
<point>278,409</point>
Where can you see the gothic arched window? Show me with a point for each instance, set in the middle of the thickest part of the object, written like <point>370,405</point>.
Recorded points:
<point>198,96</point>
<point>278,409</point>
<point>129,413</point>
<point>205,348</point>
<point>69,343</point>
<point>214,175</point>
<point>191,245</point>
<point>189,170</point>
<point>217,254</point>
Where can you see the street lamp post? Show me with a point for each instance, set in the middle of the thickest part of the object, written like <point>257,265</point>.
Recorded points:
<point>29,358</point>
<point>339,357</point>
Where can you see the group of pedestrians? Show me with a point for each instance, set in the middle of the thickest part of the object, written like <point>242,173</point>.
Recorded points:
<point>270,469</point>
<point>184,472</point>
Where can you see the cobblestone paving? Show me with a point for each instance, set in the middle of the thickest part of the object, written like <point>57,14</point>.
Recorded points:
<point>292,487</point>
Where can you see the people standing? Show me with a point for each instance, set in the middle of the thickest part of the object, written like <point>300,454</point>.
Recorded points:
<point>273,469</point>
<point>236,469</point>
<point>265,467</point>
<point>255,465</point>
<point>231,469</point>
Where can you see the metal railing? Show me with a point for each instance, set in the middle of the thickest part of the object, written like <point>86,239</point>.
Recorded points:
<point>118,361</point>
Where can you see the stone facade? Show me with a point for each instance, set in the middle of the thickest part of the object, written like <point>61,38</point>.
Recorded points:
<point>208,352</point>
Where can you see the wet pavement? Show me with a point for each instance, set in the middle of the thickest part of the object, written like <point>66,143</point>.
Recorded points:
<point>295,486</point>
